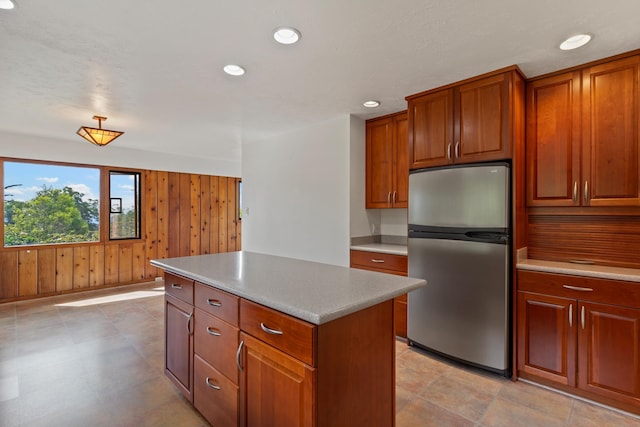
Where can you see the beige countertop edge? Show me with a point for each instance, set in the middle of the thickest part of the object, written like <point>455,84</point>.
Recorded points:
<point>384,248</point>
<point>597,271</point>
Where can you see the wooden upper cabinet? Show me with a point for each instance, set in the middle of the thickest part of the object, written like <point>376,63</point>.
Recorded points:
<point>472,121</point>
<point>611,159</point>
<point>387,164</point>
<point>553,140</point>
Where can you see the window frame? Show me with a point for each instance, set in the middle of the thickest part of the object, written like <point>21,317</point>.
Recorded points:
<point>104,205</point>
<point>137,195</point>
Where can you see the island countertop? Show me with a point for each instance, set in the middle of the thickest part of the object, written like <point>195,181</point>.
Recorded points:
<point>311,291</point>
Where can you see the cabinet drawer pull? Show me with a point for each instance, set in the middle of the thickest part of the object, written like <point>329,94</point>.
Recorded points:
<point>213,331</point>
<point>176,286</point>
<point>378,261</point>
<point>570,315</point>
<point>214,302</point>
<point>210,384</point>
<point>269,330</point>
<point>238,353</point>
<point>189,331</point>
<point>575,191</point>
<point>577,288</point>
<point>586,192</point>
<point>582,316</point>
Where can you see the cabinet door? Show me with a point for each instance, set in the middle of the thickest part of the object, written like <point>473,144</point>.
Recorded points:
<point>611,159</point>
<point>553,141</point>
<point>609,351</point>
<point>547,337</point>
<point>483,120</point>
<point>379,165</point>
<point>431,129</point>
<point>400,196</point>
<point>179,344</point>
<point>275,389</point>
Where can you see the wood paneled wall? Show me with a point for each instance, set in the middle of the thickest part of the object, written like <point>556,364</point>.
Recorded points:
<point>182,214</point>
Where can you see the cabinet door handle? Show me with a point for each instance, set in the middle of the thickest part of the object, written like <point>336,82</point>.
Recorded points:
<point>238,353</point>
<point>176,286</point>
<point>389,198</point>
<point>214,302</point>
<point>269,330</point>
<point>575,191</point>
<point>189,323</point>
<point>457,150</point>
<point>377,261</point>
<point>449,151</point>
<point>586,192</point>
<point>577,288</point>
<point>395,194</point>
<point>570,315</point>
<point>210,384</point>
<point>213,331</point>
<point>582,316</point>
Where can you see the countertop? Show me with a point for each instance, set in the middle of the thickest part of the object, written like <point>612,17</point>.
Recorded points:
<point>598,271</point>
<point>311,291</point>
<point>385,248</point>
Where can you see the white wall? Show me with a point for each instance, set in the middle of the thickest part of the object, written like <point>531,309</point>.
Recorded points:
<point>40,148</point>
<point>394,222</point>
<point>296,193</point>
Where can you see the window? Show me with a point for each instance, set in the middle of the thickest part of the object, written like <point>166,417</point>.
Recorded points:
<point>46,204</point>
<point>124,205</point>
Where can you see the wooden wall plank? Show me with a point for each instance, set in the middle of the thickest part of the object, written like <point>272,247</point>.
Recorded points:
<point>174,215</point>
<point>64,269</point>
<point>46,271</point>
<point>27,273</point>
<point>214,223</point>
<point>222,215</point>
<point>205,214</point>
<point>232,214</point>
<point>138,260</point>
<point>163,216</point>
<point>125,263</point>
<point>184,211</point>
<point>8,274</point>
<point>194,230</point>
<point>81,267</point>
<point>96,265</point>
<point>150,221</point>
<point>111,261</point>
<point>239,222</point>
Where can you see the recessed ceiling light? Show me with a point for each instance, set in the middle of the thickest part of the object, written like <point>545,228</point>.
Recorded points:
<point>7,4</point>
<point>234,70</point>
<point>575,42</point>
<point>371,104</point>
<point>286,35</point>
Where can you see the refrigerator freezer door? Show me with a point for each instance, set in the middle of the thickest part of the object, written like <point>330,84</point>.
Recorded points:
<point>470,196</point>
<point>463,310</point>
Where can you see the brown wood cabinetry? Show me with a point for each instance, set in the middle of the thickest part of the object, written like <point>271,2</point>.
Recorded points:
<point>387,162</point>
<point>582,333</point>
<point>471,121</point>
<point>582,136</point>
<point>386,263</point>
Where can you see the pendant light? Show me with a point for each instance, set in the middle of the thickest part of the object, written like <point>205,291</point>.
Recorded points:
<point>98,136</point>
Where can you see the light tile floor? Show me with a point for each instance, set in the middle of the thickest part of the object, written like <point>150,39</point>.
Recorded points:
<point>96,359</point>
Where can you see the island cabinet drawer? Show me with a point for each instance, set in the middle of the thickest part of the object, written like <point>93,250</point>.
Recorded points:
<point>219,303</point>
<point>606,291</point>
<point>288,334</point>
<point>179,287</point>
<point>214,395</point>
<point>216,341</point>
<point>377,261</point>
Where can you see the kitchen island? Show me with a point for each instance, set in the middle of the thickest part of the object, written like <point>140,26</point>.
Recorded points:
<point>254,339</point>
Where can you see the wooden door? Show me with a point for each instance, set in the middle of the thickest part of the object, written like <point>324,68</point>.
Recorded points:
<point>179,344</point>
<point>275,388</point>
<point>379,163</point>
<point>483,123</point>
<point>431,129</point>
<point>553,141</point>
<point>611,158</point>
<point>546,345</point>
<point>400,196</point>
<point>609,351</point>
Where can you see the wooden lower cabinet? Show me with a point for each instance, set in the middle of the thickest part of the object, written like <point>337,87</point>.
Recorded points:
<point>582,334</point>
<point>179,344</point>
<point>214,395</point>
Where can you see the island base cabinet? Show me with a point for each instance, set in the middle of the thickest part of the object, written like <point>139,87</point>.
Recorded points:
<point>178,365</point>
<point>214,396</point>
<point>277,390</point>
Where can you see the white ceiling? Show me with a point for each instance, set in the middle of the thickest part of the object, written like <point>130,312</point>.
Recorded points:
<point>154,67</point>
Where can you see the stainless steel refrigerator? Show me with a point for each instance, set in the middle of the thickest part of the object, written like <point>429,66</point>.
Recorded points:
<point>459,228</point>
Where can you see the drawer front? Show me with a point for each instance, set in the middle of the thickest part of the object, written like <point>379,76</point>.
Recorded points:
<point>214,396</point>
<point>288,334</point>
<point>583,288</point>
<point>219,303</point>
<point>376,261</point>
<point>216,342</point>
<point>179,287</point>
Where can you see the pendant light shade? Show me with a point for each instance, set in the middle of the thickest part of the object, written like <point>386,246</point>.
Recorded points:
<point>99,136</point>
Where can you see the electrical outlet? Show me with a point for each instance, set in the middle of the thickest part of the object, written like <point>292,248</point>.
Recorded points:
<point>159,279</point>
